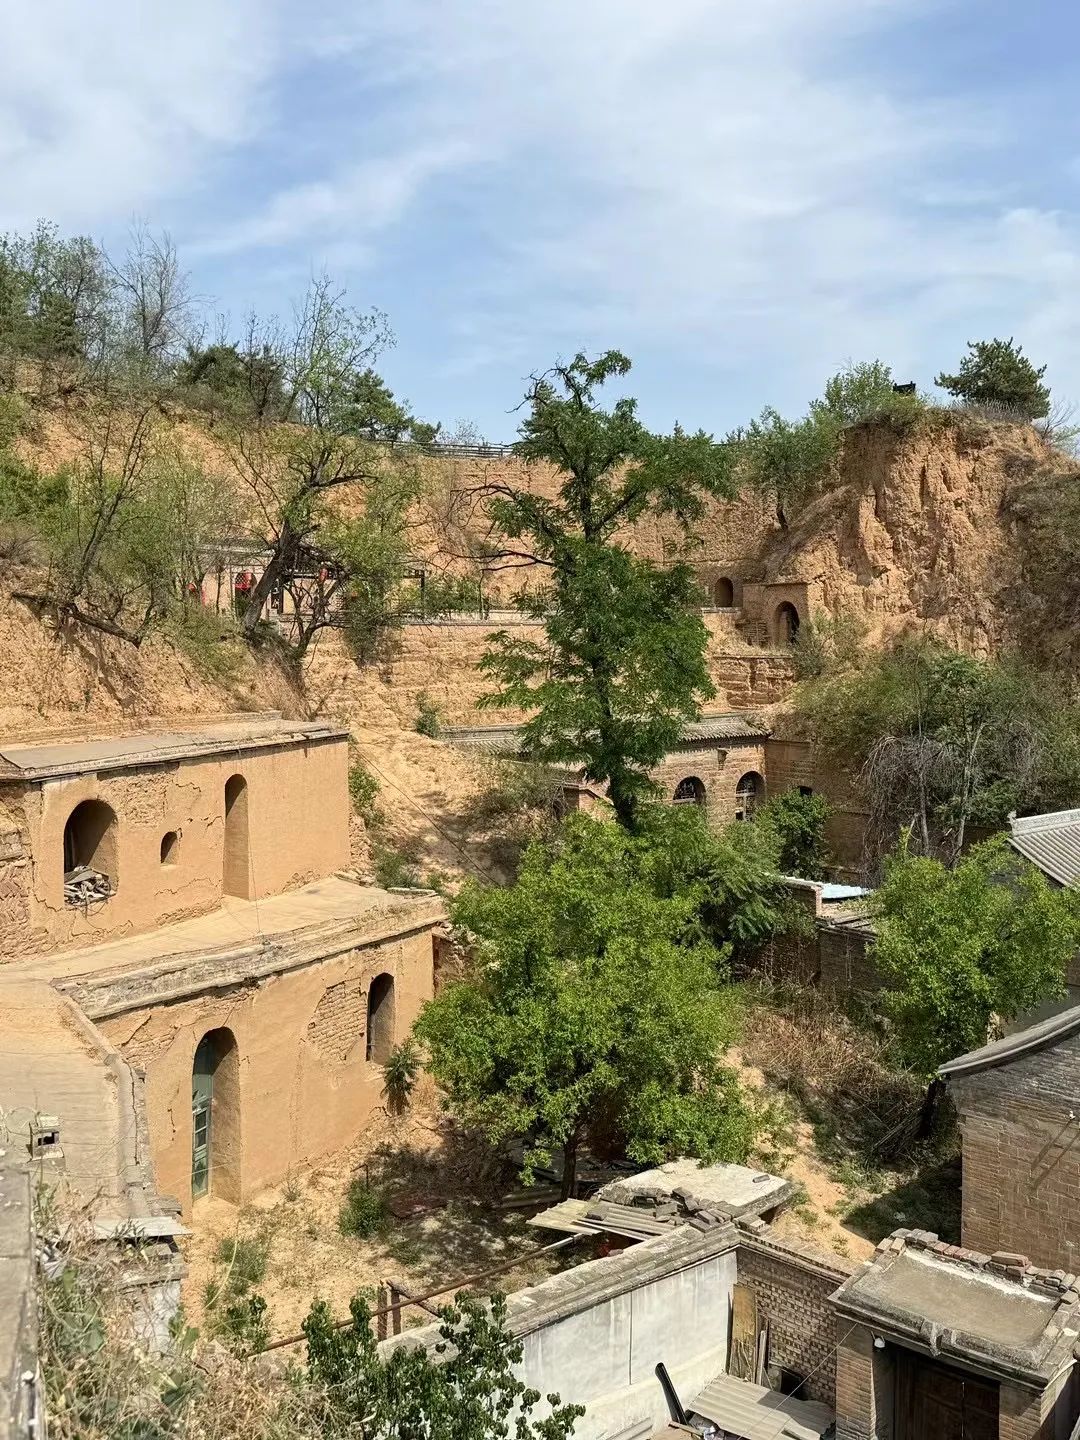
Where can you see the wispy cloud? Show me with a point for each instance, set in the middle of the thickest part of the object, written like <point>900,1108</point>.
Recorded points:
<point>742,195</point>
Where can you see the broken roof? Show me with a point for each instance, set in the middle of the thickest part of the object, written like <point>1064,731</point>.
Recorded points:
<point>125,752</point>
<point>1051,842</point>
<point>506,739</point>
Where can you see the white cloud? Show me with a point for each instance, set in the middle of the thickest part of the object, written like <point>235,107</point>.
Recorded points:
<point>106,107</point>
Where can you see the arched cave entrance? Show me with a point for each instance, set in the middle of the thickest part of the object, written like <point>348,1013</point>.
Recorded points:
<point>91,838</point>
<point>380,1019</point>
<point>236,860</point>
<point>786,624</point>
<point>215,1117</point>
<point>724,594</point>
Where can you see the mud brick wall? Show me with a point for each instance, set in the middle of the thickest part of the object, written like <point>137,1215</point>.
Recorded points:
<point>792,1285</point>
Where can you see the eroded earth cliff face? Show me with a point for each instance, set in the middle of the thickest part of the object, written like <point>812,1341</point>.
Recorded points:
<point>921,532</point>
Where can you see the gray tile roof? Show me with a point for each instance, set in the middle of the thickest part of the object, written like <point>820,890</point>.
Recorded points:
<point>1052,842</point>
<point>506,739</point>
<point>1011,1047</point>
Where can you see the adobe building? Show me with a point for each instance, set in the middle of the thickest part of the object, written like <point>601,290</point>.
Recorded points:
<point>719,764</point>
<point>187,895</point>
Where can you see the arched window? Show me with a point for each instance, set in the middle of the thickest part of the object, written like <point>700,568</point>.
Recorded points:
<point>236,864</point>
<point>215,1117</point>
<point>748,795</point>
<point>380,1019</point>
<point>786,624</point>
<point>723,593</point>
<point>90,839</point>
<point>170,848</point>
<point>690,791</point>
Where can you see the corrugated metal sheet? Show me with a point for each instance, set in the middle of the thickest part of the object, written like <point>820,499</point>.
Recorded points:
<point>755,1413</point>
<point>1051,842</point>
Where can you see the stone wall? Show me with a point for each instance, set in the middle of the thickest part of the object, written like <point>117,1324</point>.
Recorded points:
<point>21,1397</point>
<point>303,1086</point>
<point>792,1285</point>
<point>297,830</point>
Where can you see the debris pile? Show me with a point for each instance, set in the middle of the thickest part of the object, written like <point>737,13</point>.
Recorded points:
<point>85,886</point>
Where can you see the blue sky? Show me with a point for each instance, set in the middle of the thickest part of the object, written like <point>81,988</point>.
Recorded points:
<point>740,195</point>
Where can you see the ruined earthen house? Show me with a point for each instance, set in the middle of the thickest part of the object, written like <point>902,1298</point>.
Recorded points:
<point>227,955</point>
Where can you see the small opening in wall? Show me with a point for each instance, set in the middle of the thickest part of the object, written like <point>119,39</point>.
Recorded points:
<point>748,795</point>
<point>170,848</point>
<point>690,791</point>
<point>724,593</point>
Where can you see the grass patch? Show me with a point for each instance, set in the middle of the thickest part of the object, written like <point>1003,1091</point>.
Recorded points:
<point>363,1212</point>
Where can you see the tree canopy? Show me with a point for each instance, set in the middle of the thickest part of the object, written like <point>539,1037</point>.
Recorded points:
<point>998,373</point>
<point>464,1388</point>
<point>941,740</point>
<point>621,667</point>
<point>968,948</point>
<point>594,1006</point>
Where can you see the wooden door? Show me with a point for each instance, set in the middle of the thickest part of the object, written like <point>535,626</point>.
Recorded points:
<point>935,1402</point>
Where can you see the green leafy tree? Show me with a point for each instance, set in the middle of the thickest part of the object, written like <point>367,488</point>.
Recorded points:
<point>621,666</point>
<point>464,1388</point>
<point>594,1002</point>
<point>965,949</point>
<point>942,741</point>
<point>799,822</point>
<point>791,460</point>
<point>345,439</point>
<point>998,373</point>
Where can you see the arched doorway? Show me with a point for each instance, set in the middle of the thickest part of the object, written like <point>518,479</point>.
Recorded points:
<point>749,794</point>
<point>90,838</point>
<point>215,1117</point>
<point>690,791</point>
<point>786,624</point>
<point>380,1019</point>
<point>236,861</point>
<point>724,594</point>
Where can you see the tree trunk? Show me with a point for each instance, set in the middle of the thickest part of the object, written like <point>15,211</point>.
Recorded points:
<point>624,803</point>
<point>928,1112</point>
<point>569,1168</point>
<point>286,542</point>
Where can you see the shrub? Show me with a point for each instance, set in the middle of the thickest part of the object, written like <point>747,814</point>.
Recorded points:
<point>209,640</point>
<point>395,869</point>
<point>428,721</point>
<point>364,791</point>
<point>246,1261</point>
<point>363,1212</point>
<point>798,821</point>
<point>400,1072</point>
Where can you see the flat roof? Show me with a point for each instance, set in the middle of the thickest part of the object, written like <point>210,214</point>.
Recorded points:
<point>125,752</point>
<point>239,942</point>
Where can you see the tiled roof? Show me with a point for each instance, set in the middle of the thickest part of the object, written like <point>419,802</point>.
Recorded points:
<point>505,739</point>
<point>1052,842</point>
<point>1011,1047</point>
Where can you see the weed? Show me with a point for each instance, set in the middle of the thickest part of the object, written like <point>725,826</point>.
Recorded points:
<point>428,719</point>
<point>293,1188</point>
<point>395,869</point>
<point>364,791</point>
<point>406,1249</point>
<point>363,1212</point>
<point>210,640</point>
<point>245,1259</point>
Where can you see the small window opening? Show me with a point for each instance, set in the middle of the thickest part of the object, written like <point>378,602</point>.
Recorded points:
<point>170,848</point>
<point>786,624</point>
<point>748,795</point>
<point>690,791</point>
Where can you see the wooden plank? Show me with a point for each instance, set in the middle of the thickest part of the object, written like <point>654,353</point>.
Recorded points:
<point>744,1332</point>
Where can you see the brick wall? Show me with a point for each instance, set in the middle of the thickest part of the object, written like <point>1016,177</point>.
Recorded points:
<point>845,964</point>
<point>792,1286</point>
<point>1021,1155</point>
